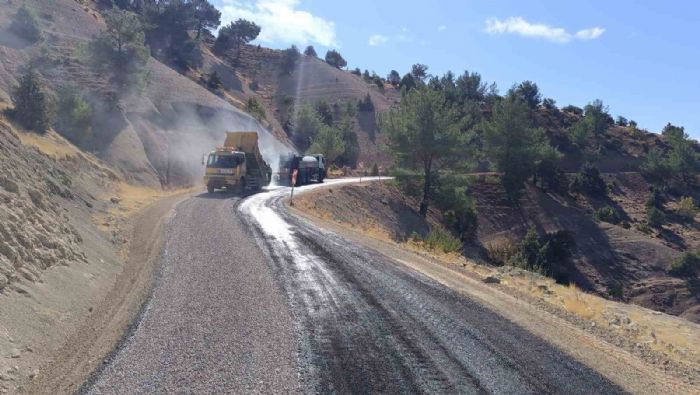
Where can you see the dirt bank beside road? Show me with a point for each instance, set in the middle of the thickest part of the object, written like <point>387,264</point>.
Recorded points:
<point>106,320</point>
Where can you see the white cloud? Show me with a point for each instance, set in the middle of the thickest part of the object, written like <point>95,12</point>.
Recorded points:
<point>281,21</point>
<point>442,28</point>
<point>518,25</point>
<point>377,39</point>
<point>590,34</point>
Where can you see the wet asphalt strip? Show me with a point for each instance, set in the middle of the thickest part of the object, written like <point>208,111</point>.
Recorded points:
<point>368,324</point>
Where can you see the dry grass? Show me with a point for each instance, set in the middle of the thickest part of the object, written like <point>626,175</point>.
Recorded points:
<point>501,250</point>
<point>49,144</point>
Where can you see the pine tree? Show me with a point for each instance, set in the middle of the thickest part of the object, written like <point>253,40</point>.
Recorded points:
<point>423,134</point>
<point>32,106</point>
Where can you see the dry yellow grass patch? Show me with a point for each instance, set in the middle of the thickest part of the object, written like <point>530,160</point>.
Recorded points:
<point>672,336</point>
<point>50,144</point>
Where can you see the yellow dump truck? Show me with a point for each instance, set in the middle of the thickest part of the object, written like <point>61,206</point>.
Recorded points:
<point>237,165</point>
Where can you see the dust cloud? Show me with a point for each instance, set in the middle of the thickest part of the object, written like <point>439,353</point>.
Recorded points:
<point>191,132</point>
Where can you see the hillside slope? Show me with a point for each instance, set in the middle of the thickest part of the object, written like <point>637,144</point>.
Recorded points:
<point>151,136</point>
<point>312,80</point>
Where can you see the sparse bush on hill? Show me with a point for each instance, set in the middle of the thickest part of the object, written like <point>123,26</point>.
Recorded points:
<point>335,59</point>
<point>594,123</point>
<point>290,57</point>
<point>26,24</point>
<point>254,108</point>
<point>419,71</point>
<point>394,78</point>
<point>459,210</point>
<point>687,265</point>
<point>608,214</point>
<point>407,83</point>
<point>588,182</point>
<point>441,240</point>
<point>656,168</point>
<point>549,254</point>
<point>550,177</point>
<point>528,92</point>
<point>622,121</point>
<point>33,108</point>
<point>687,208</point>
<point>213,82</point>
<point>366,104</point>
<point>655,217</point>
<point>682,160</point>
<point>120,52</point>
<point>234,35</point>
<point>310,51</point>
<point>357,71</point>
<point>655,199</point>
<point>74,116</point>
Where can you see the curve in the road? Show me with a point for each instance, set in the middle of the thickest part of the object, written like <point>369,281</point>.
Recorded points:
<point>370,324</point>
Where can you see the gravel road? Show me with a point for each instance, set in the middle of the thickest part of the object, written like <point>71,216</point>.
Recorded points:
<point>254,299</point>
<point>368,324</point>
<point>216,321</point>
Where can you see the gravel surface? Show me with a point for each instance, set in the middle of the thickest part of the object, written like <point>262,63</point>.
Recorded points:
<point>369,324</point>
<point>309,311</point>
<point>216,321</point>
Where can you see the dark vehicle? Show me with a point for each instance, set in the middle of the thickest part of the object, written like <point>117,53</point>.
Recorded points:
<point>311,168</point>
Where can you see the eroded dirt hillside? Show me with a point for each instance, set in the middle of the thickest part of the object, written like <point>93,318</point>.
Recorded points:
<point>152,138</point>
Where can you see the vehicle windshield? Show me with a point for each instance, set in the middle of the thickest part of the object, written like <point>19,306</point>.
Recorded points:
<point>224,161</point>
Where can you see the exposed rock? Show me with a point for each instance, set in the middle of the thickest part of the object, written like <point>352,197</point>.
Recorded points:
<point>115,199</point>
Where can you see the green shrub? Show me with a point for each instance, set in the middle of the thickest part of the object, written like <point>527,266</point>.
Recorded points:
<point>375,170</point>
<point>459,211</point>
<point>26,24</point>
<point>439,239</point>
<point>214,81</point>
<point>687,208</point>
<point>655,199</point>
<point>608,214</point>
<point>254,108</point>
<point>589,182</point>
<point>33,108</point>
<point>655,217</point>
<point>549,254</point>
<point>686,266</point>
<point>73,116</point>
<point>551,177</point>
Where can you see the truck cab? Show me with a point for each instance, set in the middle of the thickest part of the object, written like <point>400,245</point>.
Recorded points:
<point>225,168</point>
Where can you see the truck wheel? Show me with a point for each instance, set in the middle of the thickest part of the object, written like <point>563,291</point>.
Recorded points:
<point>210,188</point>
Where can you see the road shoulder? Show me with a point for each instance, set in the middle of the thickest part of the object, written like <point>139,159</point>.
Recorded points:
<point>109,320</point>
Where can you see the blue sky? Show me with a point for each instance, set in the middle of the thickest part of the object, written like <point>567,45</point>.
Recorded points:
<point>641,58</point>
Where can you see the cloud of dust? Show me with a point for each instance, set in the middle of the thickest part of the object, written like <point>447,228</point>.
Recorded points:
<point>192,132</point>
